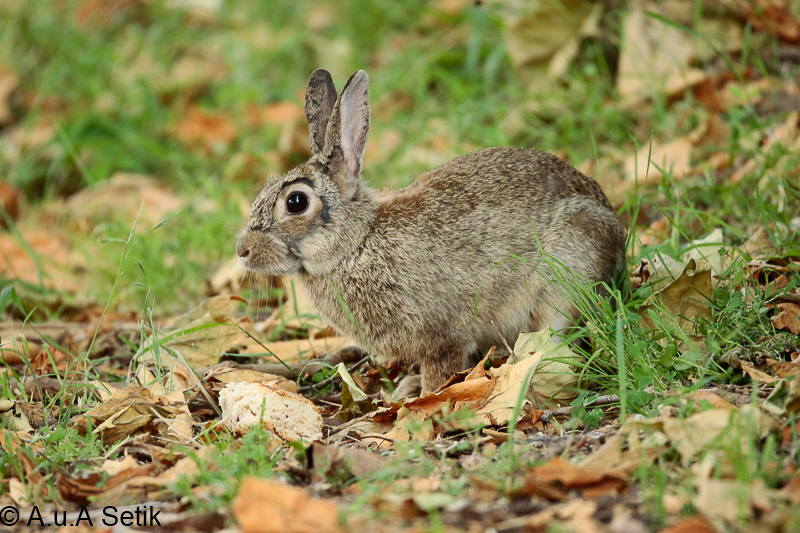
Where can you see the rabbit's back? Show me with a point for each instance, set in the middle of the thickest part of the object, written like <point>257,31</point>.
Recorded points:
<point>462,247</point>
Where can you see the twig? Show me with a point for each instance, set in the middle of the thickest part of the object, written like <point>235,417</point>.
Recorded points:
<point>510,351</point>
<point>566,411</point>
<point>329,380</point>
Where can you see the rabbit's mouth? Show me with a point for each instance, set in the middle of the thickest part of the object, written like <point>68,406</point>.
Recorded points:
<point>262,254</point>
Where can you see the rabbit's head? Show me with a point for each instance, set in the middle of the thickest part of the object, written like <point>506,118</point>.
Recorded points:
<point>310,217</point>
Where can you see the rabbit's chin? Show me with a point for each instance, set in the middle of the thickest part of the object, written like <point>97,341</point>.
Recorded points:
<point>288,266</point>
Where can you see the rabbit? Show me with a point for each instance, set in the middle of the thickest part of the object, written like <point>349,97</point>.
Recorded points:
<point>432,272</point>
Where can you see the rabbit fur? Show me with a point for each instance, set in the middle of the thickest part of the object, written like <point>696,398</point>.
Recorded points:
<point>419,274</point>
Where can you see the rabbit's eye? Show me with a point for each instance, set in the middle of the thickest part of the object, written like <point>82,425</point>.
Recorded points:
<point>296,203</point>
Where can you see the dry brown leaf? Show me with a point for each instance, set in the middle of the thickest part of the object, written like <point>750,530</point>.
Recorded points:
<point>646,166</point>
<point>707,250</point>
<point>343,463</point>
<point>275,507</point>
<point>773,17</point>
<point>124,197</point>
<point>129,411</point>
<point>651,53</point>
<point>694,434</point>
<point>80,489</point>
<point>693,524</point>
<point>731,501</point>
<point>788,317</point>
<point>757,375</point>
<point>685,299</point>
<point>555,479</point>
<point>542,39</point>
<point>9,204</point>
<point>783,369</point>
<point>706,396</point>
<point>203,129</point>
<point>299,349</point>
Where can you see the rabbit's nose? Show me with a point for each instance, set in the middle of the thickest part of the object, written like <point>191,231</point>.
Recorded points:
<point>242,250</point>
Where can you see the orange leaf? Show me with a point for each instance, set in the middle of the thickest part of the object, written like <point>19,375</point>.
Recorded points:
<point>274,507</point>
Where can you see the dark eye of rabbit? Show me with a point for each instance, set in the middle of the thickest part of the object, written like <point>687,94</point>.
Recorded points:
<point>297,202</point>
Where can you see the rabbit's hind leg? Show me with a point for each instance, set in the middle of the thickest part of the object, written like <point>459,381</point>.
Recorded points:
<point>438,364</point>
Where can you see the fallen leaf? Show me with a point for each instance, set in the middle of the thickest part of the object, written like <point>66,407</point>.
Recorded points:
<point>542,39</point>
<point>648,166</point>
<point>275,507</point>
<point>343,464</point>
<point>203,129</point>
<point>694,434</point>
<point>682,301</point>
<point>784,398</point>
<point>224,375</point>
<point>788,317</point>
<point>53,264</point>
<point>298,349</point>
<point>707,249</point>
<point>651,53</point>
<point>757,375</point>
<point>555,479</point>
<point>773,17</point>
<point>693,524</point>
<point>554,379</point>
<point>124,197</point>
<point>127,412</point>
<point>9,204</point>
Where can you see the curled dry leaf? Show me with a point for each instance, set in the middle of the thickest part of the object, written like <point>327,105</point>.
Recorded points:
<point>707,250</point>
<point>683,300</point>
<point>542,39</point>
<point>788,317</point>
<point>14,417</point>
<point>127,412</point>
<point>275,507</point>
<point>289,416</point>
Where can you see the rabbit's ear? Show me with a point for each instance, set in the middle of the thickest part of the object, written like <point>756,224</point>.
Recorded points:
<point>320,100</point>
<point>354,108</point>
<point>347,131</point>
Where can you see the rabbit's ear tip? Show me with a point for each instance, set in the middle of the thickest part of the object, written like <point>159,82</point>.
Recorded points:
<point>320,72</point>
<point>360,75</point>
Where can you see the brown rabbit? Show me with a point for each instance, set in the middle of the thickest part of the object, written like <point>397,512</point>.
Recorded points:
<point>419,274</point>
